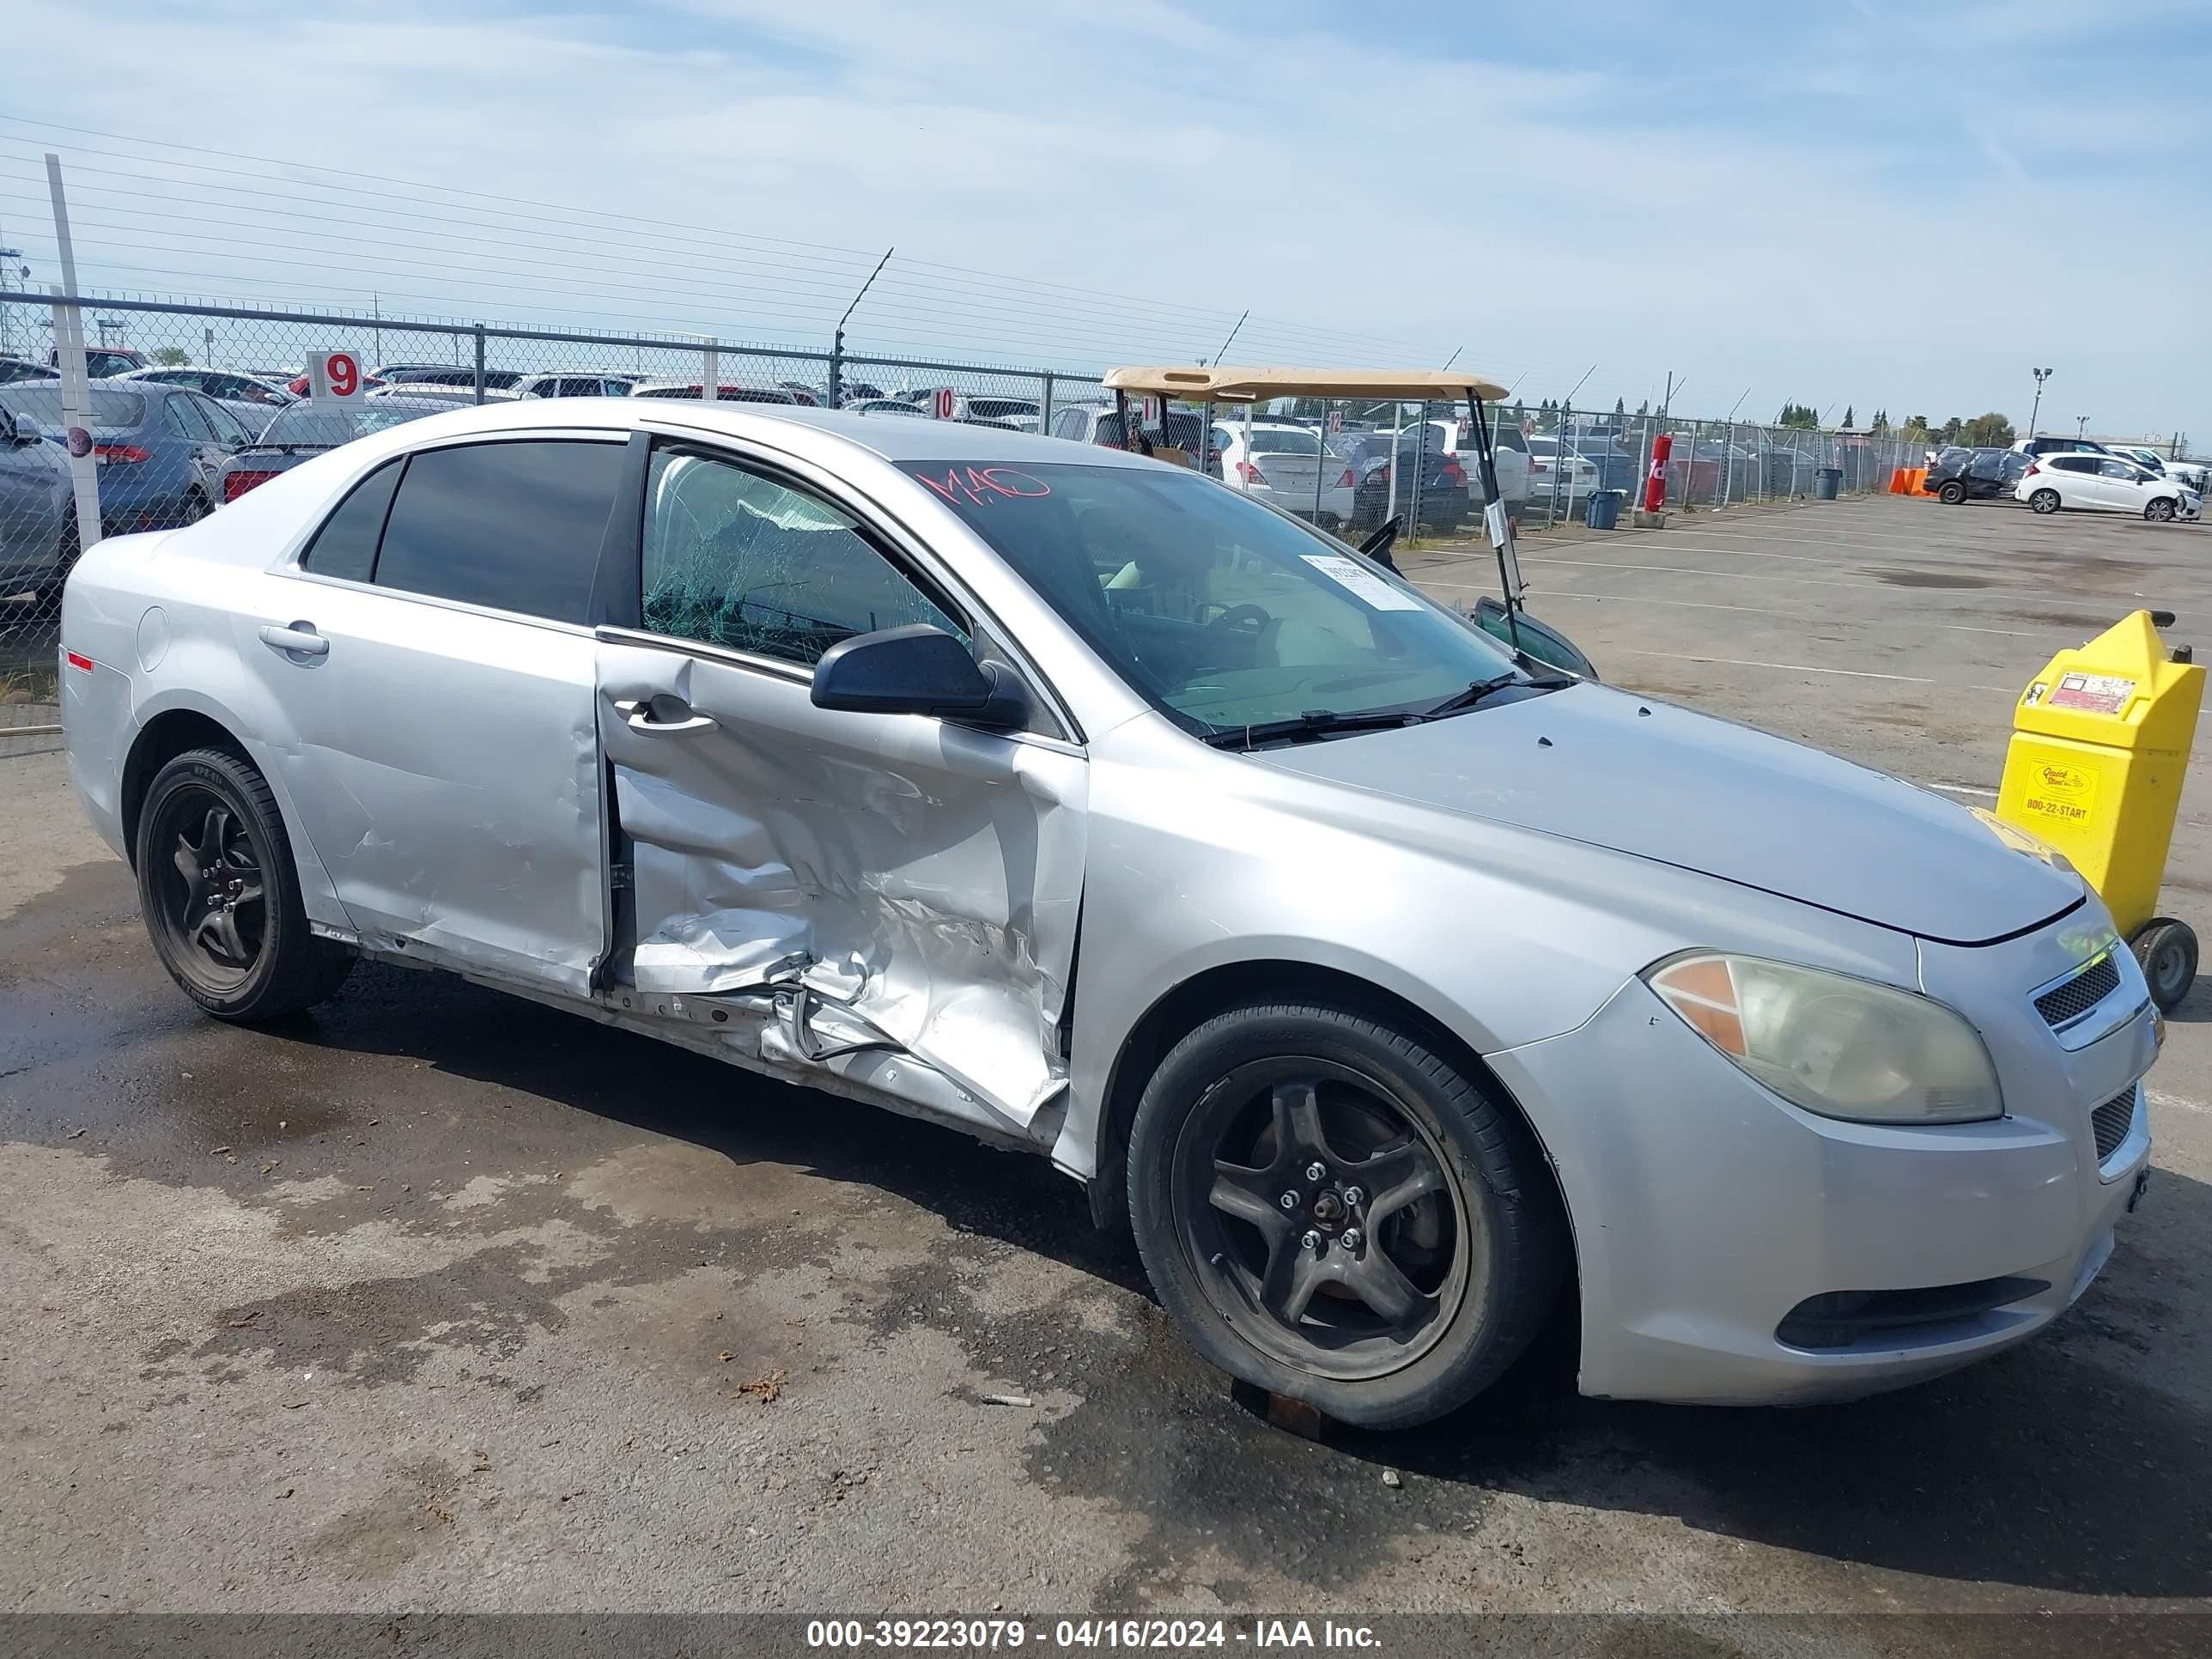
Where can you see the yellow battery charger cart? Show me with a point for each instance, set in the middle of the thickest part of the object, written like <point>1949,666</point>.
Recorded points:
<point>2100,743</point>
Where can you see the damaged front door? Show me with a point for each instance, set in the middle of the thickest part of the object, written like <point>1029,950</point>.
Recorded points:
<point>899,891</point>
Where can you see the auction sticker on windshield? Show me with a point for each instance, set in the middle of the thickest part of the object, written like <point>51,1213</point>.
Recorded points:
<point>1365,583</point>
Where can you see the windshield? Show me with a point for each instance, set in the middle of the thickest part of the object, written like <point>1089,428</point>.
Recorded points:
<point>1220,612</point>
<point>42,401</point>
<point>303,425</point>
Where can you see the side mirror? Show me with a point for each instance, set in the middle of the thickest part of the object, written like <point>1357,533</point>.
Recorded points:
<point>919,669</point>
<point>24,430</point>
<point>1545,644</point>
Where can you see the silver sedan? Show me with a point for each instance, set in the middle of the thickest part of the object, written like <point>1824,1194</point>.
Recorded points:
<point>1384,985</point>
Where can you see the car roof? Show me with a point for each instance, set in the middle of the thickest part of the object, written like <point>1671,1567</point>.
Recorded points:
<point>777,424</point>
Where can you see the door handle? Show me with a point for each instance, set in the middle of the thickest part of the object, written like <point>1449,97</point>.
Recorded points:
<point>637,714</point>
<point>298,639</point>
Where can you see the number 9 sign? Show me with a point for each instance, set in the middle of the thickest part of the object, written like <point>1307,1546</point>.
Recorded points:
<point>334,377</point>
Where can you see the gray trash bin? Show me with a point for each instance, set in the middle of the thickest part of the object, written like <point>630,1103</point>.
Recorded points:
<point>1603,512</point>
<point>1831,481</point>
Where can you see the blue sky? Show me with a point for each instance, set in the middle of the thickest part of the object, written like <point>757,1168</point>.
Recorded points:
<point>1846,202</point>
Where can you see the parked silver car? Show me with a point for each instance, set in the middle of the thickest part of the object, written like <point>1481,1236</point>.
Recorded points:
<point>1383,986</point>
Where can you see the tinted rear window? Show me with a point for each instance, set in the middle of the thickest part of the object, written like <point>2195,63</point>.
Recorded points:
<point>1286,443</point>
<point>516,526</point>
<point>42,401</point>
<point>346,544</point>
<point>1000,408</point>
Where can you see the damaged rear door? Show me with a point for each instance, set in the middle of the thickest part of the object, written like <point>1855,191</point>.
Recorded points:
<point>893,897</point>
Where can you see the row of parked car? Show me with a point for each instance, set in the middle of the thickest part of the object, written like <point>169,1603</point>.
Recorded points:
<point>2053,475</point>
<point>175,442</point>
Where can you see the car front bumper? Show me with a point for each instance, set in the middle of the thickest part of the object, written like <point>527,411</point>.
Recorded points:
<point>1706,1211</point>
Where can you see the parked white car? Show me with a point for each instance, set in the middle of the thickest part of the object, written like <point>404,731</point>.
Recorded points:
<point>2105,483</point>
<point>1456,438</point>
<point>1555,468</point>
<point>597,383</point>
<point>1287,465</point>
<point>2190,474</point>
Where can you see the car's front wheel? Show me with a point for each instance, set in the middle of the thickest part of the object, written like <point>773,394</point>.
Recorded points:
<point>2159,511</point>
<point>1331,1209</point>
<point>220,896</point>
<point>2044,501</point>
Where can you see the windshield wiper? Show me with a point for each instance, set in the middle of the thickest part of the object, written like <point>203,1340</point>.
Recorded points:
<point>1459,702</point>
<point>1315,723</point>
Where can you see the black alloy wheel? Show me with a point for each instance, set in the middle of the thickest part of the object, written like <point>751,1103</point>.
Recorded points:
<point>220,896</point>
<point>1317,1217</point>
<point>211,902</point>
<point>1333,1208</point>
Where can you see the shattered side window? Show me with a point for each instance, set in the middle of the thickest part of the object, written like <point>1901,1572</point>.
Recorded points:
<point>735,559</point>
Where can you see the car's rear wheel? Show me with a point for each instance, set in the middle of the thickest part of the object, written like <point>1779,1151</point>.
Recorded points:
<point>220,897</point>
<point>1952,493</point>
<point>2044,501</point>
<point>2159,511</point>
<point>195,507</point>
<point>1331,1210</point>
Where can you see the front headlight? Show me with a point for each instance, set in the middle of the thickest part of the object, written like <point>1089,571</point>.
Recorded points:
<point>1841,1047</point>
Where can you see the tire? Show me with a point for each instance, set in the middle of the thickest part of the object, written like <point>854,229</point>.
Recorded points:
<point>2044,501</point>
<point>220,895</point>
<point>1471,1255</point>
<point>195,508</point>
<point>1952,494</point>
<point>2159,511</point>
<point>2166,950</point>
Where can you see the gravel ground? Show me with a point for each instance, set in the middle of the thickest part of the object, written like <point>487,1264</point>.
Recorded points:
<point>437,1299</point>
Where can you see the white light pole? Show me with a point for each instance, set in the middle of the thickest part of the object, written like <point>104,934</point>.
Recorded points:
<point>2041,375</point>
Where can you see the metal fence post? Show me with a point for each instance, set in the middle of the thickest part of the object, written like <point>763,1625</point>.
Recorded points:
<point>1420,466</point>
<point>69,352</point>
<point>480,356</point>
<point>1044,418</point>
<point>710,371</point>
<point>837,367</point>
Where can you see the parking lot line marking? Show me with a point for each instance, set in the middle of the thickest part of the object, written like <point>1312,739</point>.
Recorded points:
<point>2165,1101</point>
<point>1964,789</point>
<point>1740,575</point>
<point>1806,668</point>
<point>1805,581</point>
<point>1622,599</point>
<point>1808,541</point>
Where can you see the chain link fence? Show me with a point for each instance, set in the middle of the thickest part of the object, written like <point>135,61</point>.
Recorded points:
<point>192,406</point>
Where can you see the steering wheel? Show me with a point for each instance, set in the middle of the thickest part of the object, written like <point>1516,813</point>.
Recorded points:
<point>1235,616</point>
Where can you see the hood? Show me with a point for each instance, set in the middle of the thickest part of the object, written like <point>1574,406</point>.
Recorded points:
<point>1707,795</point>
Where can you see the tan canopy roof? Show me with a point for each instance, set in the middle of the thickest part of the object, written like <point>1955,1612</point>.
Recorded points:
<point>1231,384</point>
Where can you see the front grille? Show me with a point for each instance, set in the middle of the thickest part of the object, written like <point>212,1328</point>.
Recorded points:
<point>2110,1121</point>
<point>2064,1003</point>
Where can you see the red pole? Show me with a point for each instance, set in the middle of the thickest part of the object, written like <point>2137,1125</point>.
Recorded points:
<point>1654,487</point>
